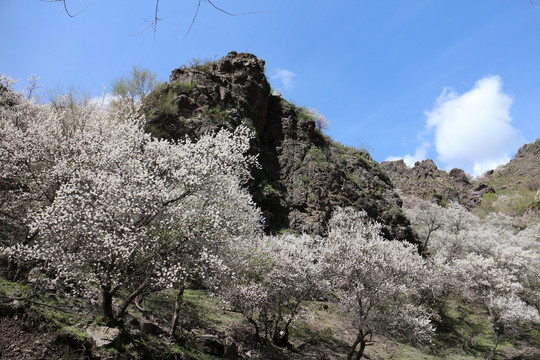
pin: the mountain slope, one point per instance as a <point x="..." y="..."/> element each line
<point x="513" y="189"/>
<point x="516" y="184"/>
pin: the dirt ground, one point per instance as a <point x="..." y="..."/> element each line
<point x="20" y="339"/>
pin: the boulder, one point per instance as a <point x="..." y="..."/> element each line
<point x="104" y="335"/>
<point x="34" y="275"/>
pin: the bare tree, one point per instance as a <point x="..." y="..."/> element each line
<point x="134" y="88"/>
<point x="156" y="19"/>
<point x="66" y="8"/>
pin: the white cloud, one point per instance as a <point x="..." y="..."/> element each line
<point x="105" y="99"/>
<point x="473" y="131"/>
<point x="420" y="154"/>
<point x="285" y="76"/>
<point x="481" y="167"/>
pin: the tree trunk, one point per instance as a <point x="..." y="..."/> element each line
<point x="426" y="241"/>
<point x="275" y="332"/>
<point x="107" y="303"/>
<point x="361" y="350"/>
<point x="266" y="324"/>
<point x="353" y="347"/>
<point x="284" y="340"/>
<point x="360" y="339"/>
<point x="257" y="336"/>
<point x="177" y="307"/>
<point x="494" y="350"/>
<point x="130" y="299"/>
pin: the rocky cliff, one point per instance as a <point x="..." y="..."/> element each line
<point x="513" y="189"/>
<point x="304" y="175"/>
<point x="426" y="181"/>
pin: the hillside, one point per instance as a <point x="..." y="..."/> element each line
<point x="304" y="175"/>
<point x="516" y="185"/>
<point x="512" y="189"/>
<point x="47" y="326"/>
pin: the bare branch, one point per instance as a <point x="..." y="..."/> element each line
<point x="66" y="8"/>
<point x="234" y="14"/>
<point x="533" y="4"/>
<point x="194" y="18"/>
<point x="153" y="23"/>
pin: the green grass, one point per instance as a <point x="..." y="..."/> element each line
<point x="316" y="154"/>
<point x="356" y="179"/>
<point x="513" y="203"/>
<point x="63" y="314"/>
<point x="270" y="188"/>
<point x="513" y="196"/>
<point x="185" y="86"/>
<point x="202" y="64"/>
<point x="217" y="115"/>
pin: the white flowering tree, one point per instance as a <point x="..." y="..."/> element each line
<point x="378" y="282"/>
<point x="112" y="207"/>
<point x="273" y="277"/>
<point x="320" y="120"/>
<point x="427" y="218"/>
<point x="203" y="229"/>
<point x="482" y="280"/>
<point x="484" y="262"/>
<point x="509" y="314"/>
<point x="26" y="181"/>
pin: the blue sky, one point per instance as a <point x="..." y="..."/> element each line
<point x="455" y="81"/>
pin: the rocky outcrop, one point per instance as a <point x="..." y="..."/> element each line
<point x="304" y="175"/>
<point x="426" y="181"/>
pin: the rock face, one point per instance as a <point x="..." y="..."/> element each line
<point x="304" y="175"/>
<point x="426" y="181"/>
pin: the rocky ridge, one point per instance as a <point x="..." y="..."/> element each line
<point x="513" y="188"/>
<point x="304" y="175"/>
<point x="426" y="181"/>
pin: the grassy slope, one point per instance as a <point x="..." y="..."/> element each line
<point x="324" y="333"/>
<point x="516" y="186"/>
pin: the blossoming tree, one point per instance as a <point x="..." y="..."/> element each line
<point x="377" y="281"/>
<point x="118" y="208"/>
<point x="484" y="262"/>
<point x="274" y="275"/>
